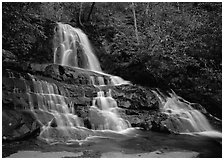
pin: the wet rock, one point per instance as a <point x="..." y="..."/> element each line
<point x="71" y="76"/>
<point x="53" y="123"/>
<point x="136" y="104"/>
<point x="77" y="95"/>
<point x="125" y="104"/>
<point x="17" y="125"/>
<point x="43" y="117"/>
<point x="59" y="134"/>
<point x="24" y="129"/>
<point x="81" y="101"/>
<point x="135" y="97"/>
<point x="8" y="56"/>
<point x="158" y="125"/>
<point x="199" y="107"/>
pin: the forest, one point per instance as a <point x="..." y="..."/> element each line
<point x="155" y="92"/>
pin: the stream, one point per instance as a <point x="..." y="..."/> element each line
<point x="131" y="144"/>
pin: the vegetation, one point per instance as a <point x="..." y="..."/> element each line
<point x="169" y="45"/>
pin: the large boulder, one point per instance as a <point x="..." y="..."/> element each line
<point x="18" y="125"/>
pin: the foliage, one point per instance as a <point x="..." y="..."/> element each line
<point x="18" y="31"/>
<point x="180" y="43"/>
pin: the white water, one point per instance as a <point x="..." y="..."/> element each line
<point x="103" y="114"/>
<point x="51" y="109"/>
<point x="67" y="53"/>
<point x="184" y="117"/>
<point x="59" y="120"/>
<point x="72" y="48"/>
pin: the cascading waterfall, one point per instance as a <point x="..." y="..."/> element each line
<point x="50" y="102"/>
<point x="103" y="114"/>
<point x="72" y="48"/>
<point x="184" y="117"/>
<point x="55" y="112"/>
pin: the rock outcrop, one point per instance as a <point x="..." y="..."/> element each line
<point x="136" y="104"/>
<point x="20" y="104"/>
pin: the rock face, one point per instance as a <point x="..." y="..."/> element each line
<point x="21" y="105"/>
<point x="136" y="104"/>
<point x="18" y="125"/>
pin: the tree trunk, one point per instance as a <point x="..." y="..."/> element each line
<point x="92" y="6"/>
<point x="80" y="14"/>
<point x="147" y="9"/>
<point x="135" y="22"/>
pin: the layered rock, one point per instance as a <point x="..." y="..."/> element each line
<point x="75" y="85"/>
<point x="136" y="104"/>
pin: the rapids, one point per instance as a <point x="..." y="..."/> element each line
<point x="183" y="116"/>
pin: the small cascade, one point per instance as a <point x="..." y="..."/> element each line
<point x="50" y="102"/>
<point x="101" y="81"/>
<point x="184" y="117"/>
<point x="115" y="80"/>
<point x="57" y="116"/>
<point x="93" y="80"/>
<point x="103" y="114"/>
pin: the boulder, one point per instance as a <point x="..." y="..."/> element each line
<point x="18" y="125"/>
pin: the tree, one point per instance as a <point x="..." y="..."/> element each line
<point x="135" y="22"/>
<point x="80" y="14"/>
<point x="92" y="6"/>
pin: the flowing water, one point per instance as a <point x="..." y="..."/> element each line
<point x="103" y="114"/>
<point x="183" y="116"/>
<point x="72" y="48"/>
<point x="58" y="118"/>
<point x="60" y="124"/>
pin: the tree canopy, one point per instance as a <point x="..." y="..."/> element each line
<point x="179" y="45"/>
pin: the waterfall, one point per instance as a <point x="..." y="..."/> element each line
<point x="49" y="103"/>
<point x="183" y="116"/>
<point x="103" y="114"/>
<point x="57" y="116"/>
<point x="72" y="48"/>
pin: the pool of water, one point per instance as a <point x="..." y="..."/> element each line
<point x="131" y="143"/>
